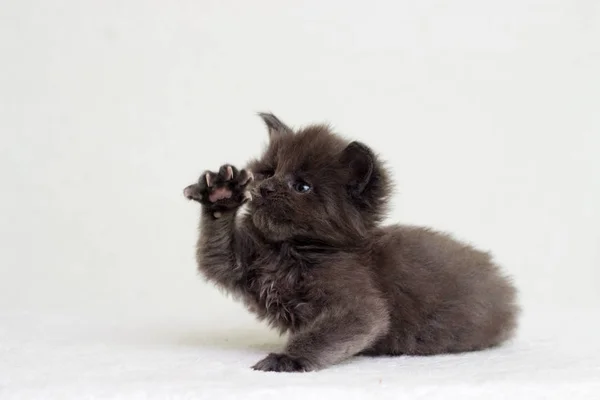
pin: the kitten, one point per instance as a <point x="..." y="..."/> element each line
<point x="310" y="256"/>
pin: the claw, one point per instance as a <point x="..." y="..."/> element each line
<point x="188" y="192"/>
<point x="250" y="177"/>
<point x="229" y="173"/>
<point x="208" y="179"/>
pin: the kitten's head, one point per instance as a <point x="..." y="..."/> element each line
<point x="312" y="183"/>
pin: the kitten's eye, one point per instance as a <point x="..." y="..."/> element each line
<point x="301" y="187"/>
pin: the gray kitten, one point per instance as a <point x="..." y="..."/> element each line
<point x="299" y="240"/>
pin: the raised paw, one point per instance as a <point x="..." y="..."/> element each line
<point x="225" y="189"/>
<point x="281" y="363"/>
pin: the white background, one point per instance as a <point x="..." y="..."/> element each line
<point x="486" y="111"/>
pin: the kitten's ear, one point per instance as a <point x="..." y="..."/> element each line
<point x="275" y="126"/>
<point x="361" y="161"/>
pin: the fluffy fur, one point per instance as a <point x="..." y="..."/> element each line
<point x="309" y="256"/>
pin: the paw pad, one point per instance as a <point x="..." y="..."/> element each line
<point x="225" y="189"/>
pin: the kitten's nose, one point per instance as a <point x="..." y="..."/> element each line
<point x="266" y="189"/>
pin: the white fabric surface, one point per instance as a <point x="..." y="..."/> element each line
<point x="555" y="356"/>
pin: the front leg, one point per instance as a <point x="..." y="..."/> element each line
<point x="222" y="244"/>
<point x="337" y="334"/>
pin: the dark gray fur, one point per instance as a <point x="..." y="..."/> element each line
<point x="321" y="267"/>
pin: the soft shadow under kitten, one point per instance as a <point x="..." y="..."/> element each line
<point x="297" y="237"/>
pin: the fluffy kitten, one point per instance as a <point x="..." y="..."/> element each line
<point x="308" y="254"/>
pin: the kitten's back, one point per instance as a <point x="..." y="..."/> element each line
<point x="444" y="295"/>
